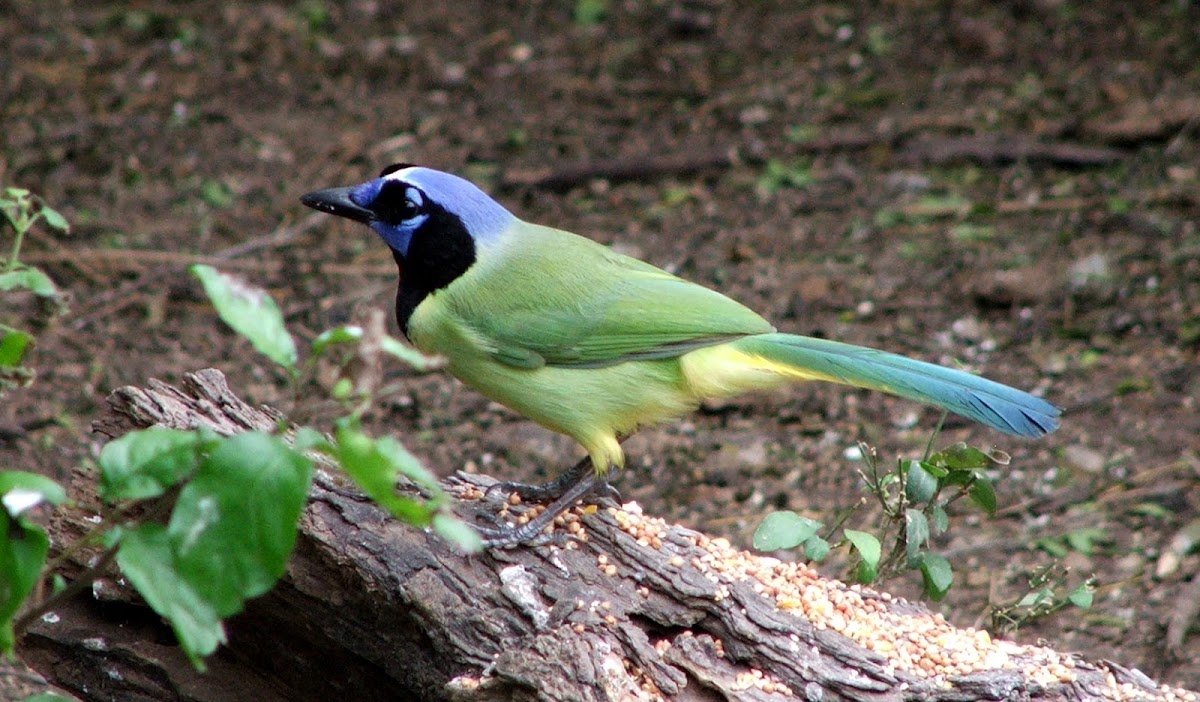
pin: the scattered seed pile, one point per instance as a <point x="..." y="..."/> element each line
<point x="919" y="642"/>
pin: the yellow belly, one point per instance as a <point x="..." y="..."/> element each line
<point x="594" y="405"/>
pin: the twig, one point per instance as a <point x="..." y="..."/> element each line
<point x="104" y="303"/>
<point x="1007" y="148"/>
<point x="620" y="169"/>
<point x="76" y="586"/>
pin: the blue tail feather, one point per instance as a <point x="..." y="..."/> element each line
<point x="998" y="406"/>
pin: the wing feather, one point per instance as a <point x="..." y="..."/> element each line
<point x="613" y="309"/>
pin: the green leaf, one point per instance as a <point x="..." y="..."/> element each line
<point x="30" y="279"/>
<point x="941" y="520"/>
<point x="23" y="550"/>
<point x="1000" y="458"/>
<point x="916" y="533"/>
<point x="348" y="334"/>
<point x="216" y="194"/>
<point x="375" y="464"/>
<point x="816" y="548"/>
<point x="1082" y="596"/>
<point x="309" y="439"/>
<point x="1152" y="510"/>
<point x="13" y="345"/>
<point x="869" y="551"/>
<point x="342" y="389"/>
<point x="234" y="525"/>
<point x="1118" y="205"/>
<point x="972" y="232"/>
<point x="1084" y="540"/>
<point x="942" y="204"/>
<point x="147" y="559"/>
<point x="784" y="530"/>
<point x="590" y="12"/>
<point x="228" y="539"/>
<point x="778" y="174"/>
<point x="251" y="312"/>
<point x="47" y="697"/>
<point x="963" y="457"/>
<point x="403" y="352"/>
<point x="1053" y="545"/>
<point x="146" y="463"/>
<point x="937" y="574"/>
<point x="1037" y="598"/>
<point x="919" y="484"/>
<point x="54" y="219"/>
<point x="933" y="467"/>
<point x="457" y="532"/>
<point x="983" y="494"/>
<point x="351" y="334"/>
<point x="801" y="133"/>
<point x="20" y="491"/>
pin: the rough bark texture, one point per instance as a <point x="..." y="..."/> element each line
<point x="372" y="609"/>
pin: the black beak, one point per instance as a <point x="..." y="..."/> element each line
<point x="337" y="201"/>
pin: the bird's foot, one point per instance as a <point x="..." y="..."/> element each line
<point x="548" y="492"/>
<point x="502" y="537"/>
<point x="533" y="532"/>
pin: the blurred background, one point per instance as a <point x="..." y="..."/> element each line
<point x="1012" y="186"/>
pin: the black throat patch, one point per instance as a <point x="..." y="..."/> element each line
<point x="441" y="250"/>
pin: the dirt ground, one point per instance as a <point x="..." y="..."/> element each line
<point x="1010" y="185"/>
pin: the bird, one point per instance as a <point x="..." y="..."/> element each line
<point x="594" y="344"/>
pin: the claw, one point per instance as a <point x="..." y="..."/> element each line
<point x="546" y="492"/>
<point x="583" y="484"/>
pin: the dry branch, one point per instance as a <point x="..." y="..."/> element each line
<point x="999" y="149"/>
<point x="372" y="609"/>
<point x="989" y="149"/>
<point x="621" y="169"/>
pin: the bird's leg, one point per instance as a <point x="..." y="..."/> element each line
<point x="555" y="488"/>
<point x="531" y="532"/>
<point x="546" y="492"/>
<point x="580" y="482"/>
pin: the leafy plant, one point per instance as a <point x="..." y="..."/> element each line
<point x="21" y="209"/>
<point x="589" y="13"/>
<point x="778" y="175"/>
<point x="787" y="530"/>
<point x="23" y="544"/>
<point x="1048" y="593"/>
<point x="1084" y="540"/>
<point x="374" y="464"/>
<point x="914" y="498"/>
<point x="199" y="523"/>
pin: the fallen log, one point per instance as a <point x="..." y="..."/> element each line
<point x="629" y="608"/>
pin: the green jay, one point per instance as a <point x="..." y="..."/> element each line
<point x="594" y="344"/>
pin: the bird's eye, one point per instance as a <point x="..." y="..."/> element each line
<point x="397" y="203"/>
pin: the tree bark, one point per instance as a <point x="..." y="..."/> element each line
<point x="371" y="609"/>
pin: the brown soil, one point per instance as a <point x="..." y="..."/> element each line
<point x="171" y="133"/>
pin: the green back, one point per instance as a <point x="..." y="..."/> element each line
<point x="568" y="301"/>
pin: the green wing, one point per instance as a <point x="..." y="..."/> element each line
<point x="569" y="301"/>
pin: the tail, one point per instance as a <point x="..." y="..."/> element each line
<point x="998" y="406"/>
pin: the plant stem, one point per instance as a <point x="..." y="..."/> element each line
<point x="21" y="223"/>
<point x="19" y="235"/>
<point x="77" y="585"/>
<point x="933" y="436"/>
<point x="159" y="507"/>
